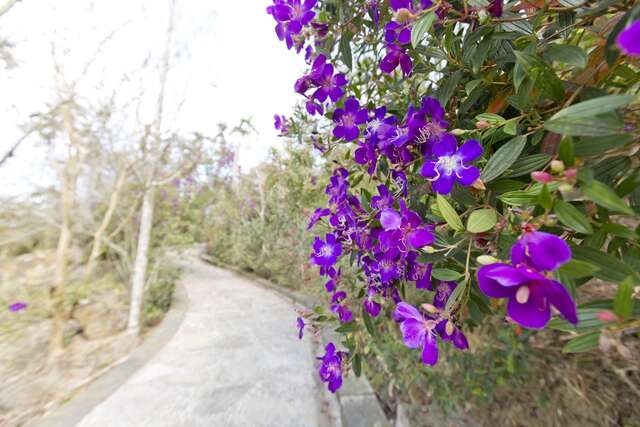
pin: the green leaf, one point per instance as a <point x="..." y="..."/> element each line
<point x="585" y="126"/>
<point x="587" y="320"/>
<point x="576" y="269"/>
<point x="594" y="107"/>
<point x="527" y="164"/>
<point x="623" y="303"/>
<point x="543" y="75"/>
<point x="610" y="268"/>
<point x="504" y="157"/>
<point x="368" y="324"/>
<point x="347" y="327"/>
<point x="494" y="119"/>
<point x="619" y="230"/>
<point x="454" y="297"/>
<point x="566" y="54"/>
<point x="357" y="365"/>
<point x="449" y="214"/>
<point x="525" y="197"/>
<point x="345" y="49"/>
<point x="544" y="198"/>
<point x="586" y="147"/>
<point x="421" y="27"/>
<point x="566" y="152"/>
<point x="570" y="216"/>
<point x="448" y="88"/>
<point x="481" y="220"/>
<point x="445" y="274"/>
<point x="605" y="197"/>
<point x="581" y="343"/>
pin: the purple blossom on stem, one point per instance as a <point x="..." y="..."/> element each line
<point x="529" y="293"/>
<point x="280" y="123"/>
<point x="418" y="331"/>
<point x="301" y="324"/>
<point x="326" y="252"/>
<point x="348" y="119"/>
<point x="370" y="305"/>
<point x="291" y="16"/>
<point x="450" y="164"/>
<point x="331" y="367"/>
<point x="629" y="39"/>
<point x="317" y="216"/>
<point x="17" y="306"/>
<point x="396" y="55"/>
<point x="344" y="314"/>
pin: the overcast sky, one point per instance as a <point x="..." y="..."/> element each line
<point x="230" y="66"/>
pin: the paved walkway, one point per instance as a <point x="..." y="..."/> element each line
<point x="234" y="361"/>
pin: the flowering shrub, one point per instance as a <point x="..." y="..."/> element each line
<point x="487" y="151"/>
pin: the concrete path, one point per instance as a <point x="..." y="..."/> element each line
<point x="235" y="361"/>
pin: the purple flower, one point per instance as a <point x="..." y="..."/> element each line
<point x="396" y="55"/>
<point x="331" y="367"/>
<point x="450" y="164"/>
<point x="374" y="12"/>
<point x="629" y="39"/>
<point x="419" y="272"/>
<point x="326" y="253"/>
<point x="418" y="331"/>
<point x="17" y="306"/>
<point x="370" y="305"/>
<point x="495" y="8"/>
<point x="300" y="322"/>
<point x="529" y="293"/>
<point x="404" y="231"/>
<point x="344" y="314"/>
<point x="427" y="123"/>
<point x="443" y="292"/>
<point x="317" y="215"/>
<point x="384" y="198"/>
<point x="294" y="13"/>
<point x="348" y="120"/>
<point x="329" y="85"/>
<point x="280" y="123"/>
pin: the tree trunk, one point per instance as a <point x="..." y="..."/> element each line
<point x="96" y="249"/>
<point x="68" y="177"/>
<point x="140" y="263"/>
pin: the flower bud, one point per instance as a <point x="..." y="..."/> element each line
<point x="430" y="308"/>
<point x="449" y="328"/>
<point x="482" y="16"/>
<point x="557" y="166"/>
<point x="486" y="260"/>
<point x="565" y="188"/>
<point x="571" y="173"/>
<point x="478" y="185"/>
<point x="482" y="124"/>
<point x="428" y="249"/>
<point x="550" y="222"/>
<point x="541" y="177"/>
<point x="607" y="316"/>
<point x="403" y="16"/>
<point x="458" y="132"/>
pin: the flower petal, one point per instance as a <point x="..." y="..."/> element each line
<point x="470" y="150"/>
<point x="413" y="332"/>
<point x="560" y="298"/>
<point x="429" y="169"/>
<point x="390" y="219"/>
<point x="542" y="251"/>
<point x="443" y="185"/>
<point x="406" y="311"/>
<point x="446" y="146"/>
<point x="419" y="238"/>
<point x="535" y="313"/>
<point x="466" y="176"/>
<point x="430" y="350"/>
<point x="496" y="280"/>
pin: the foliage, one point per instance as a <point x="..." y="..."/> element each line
<point x="545" y="179"/>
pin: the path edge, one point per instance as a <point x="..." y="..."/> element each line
<point x="74" y="411"/>
<point x="358" y="404"/>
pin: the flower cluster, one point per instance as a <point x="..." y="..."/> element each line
<point x="384" y="236"/>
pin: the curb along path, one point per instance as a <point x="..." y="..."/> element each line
<point x="234" y="361"/>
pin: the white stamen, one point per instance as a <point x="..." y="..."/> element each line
<point x="522" y="295"/>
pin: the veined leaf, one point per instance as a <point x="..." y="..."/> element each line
<point x="527" y="164"/>
<point x="623" y="303"/>
<point x="566" y="54"/>
<point x="504" y="157"/>
<point x="421" y="27"/>
<point x="445" y="274"/>
<point x="449" y="213"/>
<point x="481" y="220"/>
<point x="605" y="197"/>
<point x="570" y="216"/>
<point x="581" y="343"/>
<point x="610" y="268"/>
<point x="594" y="107"/>
<point x="576" y="269"/>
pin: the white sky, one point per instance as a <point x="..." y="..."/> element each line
<point x="230" y="66"/>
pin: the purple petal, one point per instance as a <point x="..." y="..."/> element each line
<point x="351" y="105"/>
<point x="468" y="175"/>
<point x="497" y="280"/>
<point x="629" y="39"/>
<point x="413" y="332"/>
<point x="560" y="298"/>
<point x="470" y="150"/>
<point x="446" y="146"/>
<point x="430" y="350"/>
<point x="406" y="64"/>
<point x="429" y="169"/>
<point x="420" y="238"/>
<point x="406" y="311"/>
<point x="534" y="314"/>
<point x="443" y="185"/>
<point x="390" y="219"/>
<point x="335" y="384"/>
<point x="542" y="251"/>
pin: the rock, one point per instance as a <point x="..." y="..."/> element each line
<point x="402" y="416"/>
<point x="101" y="317"/>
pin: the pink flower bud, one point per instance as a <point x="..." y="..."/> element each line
<point x="571" y="173"/>
<point x="607" y="316"/>
<point x="542" y="177"/>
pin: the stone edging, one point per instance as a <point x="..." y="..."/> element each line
<point x="359" y="406"/>
<point x="71" y="413"/>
